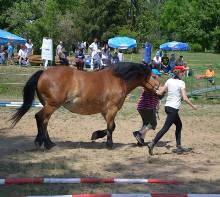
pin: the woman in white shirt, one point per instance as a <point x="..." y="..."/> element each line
<point x="175" y="88"/>
<point x="29" y="46"/>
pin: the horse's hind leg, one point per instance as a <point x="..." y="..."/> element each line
<point x="42" y="118"/>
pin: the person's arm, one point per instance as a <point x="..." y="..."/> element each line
<point x="186" y="99"/>
<point x="162" y="90"/>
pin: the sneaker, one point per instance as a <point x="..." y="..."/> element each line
<point x="138" y="137"/>
<point x="150" y="147"/>
<point x="180" y="150"/>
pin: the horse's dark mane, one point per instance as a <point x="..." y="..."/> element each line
<point x="130" y="71"/>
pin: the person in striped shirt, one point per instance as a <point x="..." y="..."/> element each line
<point x="147" y="107"/>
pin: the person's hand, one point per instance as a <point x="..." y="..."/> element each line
<point x="158" y="92"/>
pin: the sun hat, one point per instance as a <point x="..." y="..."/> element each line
<point x="181" y="68"/>
<point x="156" y="72"/>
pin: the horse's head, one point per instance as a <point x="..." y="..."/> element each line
<point x="151" y="83"/>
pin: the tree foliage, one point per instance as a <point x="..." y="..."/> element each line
<point x="155" y="21"/>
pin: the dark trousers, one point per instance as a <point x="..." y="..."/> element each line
<point x="148" y="116"/>
<point x="172" y="118"/>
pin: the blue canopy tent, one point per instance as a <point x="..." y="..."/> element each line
<point x="6" y="37"/>
<point x="174" y="46"/>
<point x="122" y="43"/>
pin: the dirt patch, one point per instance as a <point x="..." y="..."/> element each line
<point x="76" y="156"/>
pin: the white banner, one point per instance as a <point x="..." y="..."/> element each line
<point x="47" y="49"/>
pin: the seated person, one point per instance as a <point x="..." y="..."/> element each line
<point x="115" y="58"/>
<point x="22" y="56"/>
<point x="97" y="59"/>
<point x="179" y="61"/>
<point x="80" y="59"/>
<point x="209" y="75"/>
<point x="157" y="61"/>
<point x="165" y="63"/>
<point x="63" y="57"/>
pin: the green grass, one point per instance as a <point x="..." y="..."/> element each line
<point x="198" y="62"/>
<point x="194" y="60"/>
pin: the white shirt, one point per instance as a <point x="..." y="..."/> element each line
<point x="174" y="97"/>
<point x="59" y="49"/>
<point x="29" y="48"/>
<point x="121" y="57"/>
<point x="157" y="60"/>
<point x="94" y="48"/>
<point x="22" y="53"/>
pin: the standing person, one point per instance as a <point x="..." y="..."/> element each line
<point x="59" y="48"/>
<point x="172" y="61"/>
<point x="2" y="54"/>
<point x="10" y="52"/>
<point x="61" y="53"/>
<point x="175" y="87"/>
<point x="106" y="56"/>
<point x="147" y="107"/>
<point x="29" y="46"/>
<point x="94" y="49"/>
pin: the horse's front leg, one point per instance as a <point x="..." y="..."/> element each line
<point x="99" y="134"/>
<point x="110" y="117"/>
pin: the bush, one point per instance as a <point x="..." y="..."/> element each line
<point x="196" y="47"/>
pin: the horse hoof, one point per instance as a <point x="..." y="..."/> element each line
<point x="109" y="145"/>
<point x="94" y="136"/>
<point x="37" y="144"/>
<point x="50" y="145"/>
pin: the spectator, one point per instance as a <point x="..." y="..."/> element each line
<point x="175" y="88"/>
<point x="157" y="61"/>
<point x="2" y="55"/>
<point x="120" y="56"/>
<point x="165" y="63"/>
<point x="29" y="45"/>
<point x="209" y="75"/>
<point x="179" y="61"/>
<point x="97" y="60"/>
<point x="106" y="55"/>
<point x="80" y="58"/>
<point x="172" y="61"/>
<point x="22" y="56"/>
<point x="147" y="106"/>
<point x="61" y="53"/>
<point x="94" y="49"/>
<point x="10" y="52"/>
<point x="115" y="58"/>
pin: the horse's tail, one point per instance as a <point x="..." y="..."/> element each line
<point x="28" y="97"/>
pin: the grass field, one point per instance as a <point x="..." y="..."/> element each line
<point x="198" y="62"/>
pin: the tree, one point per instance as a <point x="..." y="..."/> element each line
<point x="103" y="19"/>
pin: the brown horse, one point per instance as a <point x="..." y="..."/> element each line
<point x="83" y="93"/>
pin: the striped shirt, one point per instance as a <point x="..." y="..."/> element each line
<point x="148" y="100"/>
